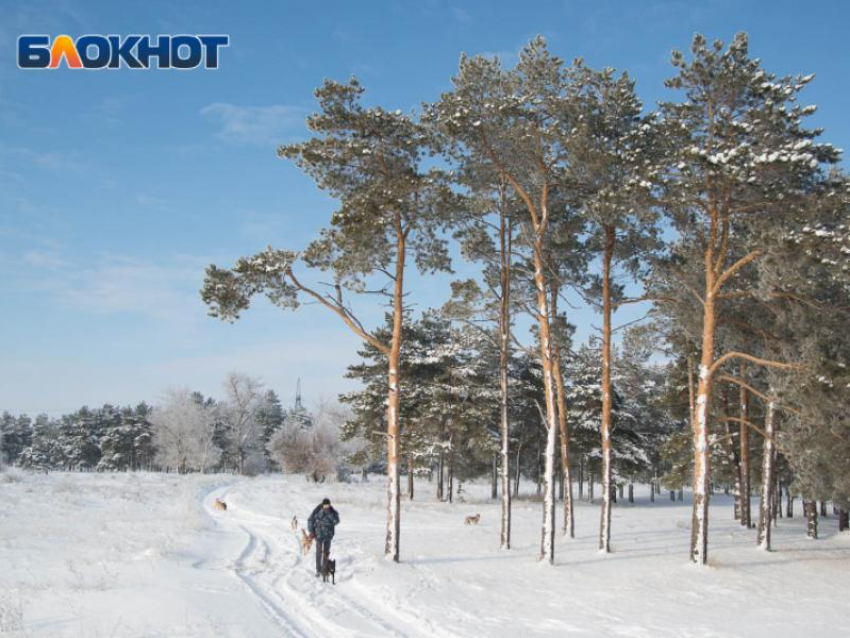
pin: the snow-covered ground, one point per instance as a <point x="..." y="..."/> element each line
<point x="147" y="555"/>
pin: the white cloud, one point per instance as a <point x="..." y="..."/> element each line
<point x="255" y="124"/>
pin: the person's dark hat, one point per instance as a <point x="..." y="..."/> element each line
<point x="326" y="501"/>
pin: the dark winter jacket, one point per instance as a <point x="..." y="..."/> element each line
<point x="322" y="522"/>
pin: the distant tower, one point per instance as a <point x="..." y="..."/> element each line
<point x="298" y="406"/>
<point x="298" y="414"/>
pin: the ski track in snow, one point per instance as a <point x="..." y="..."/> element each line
<point x="273" y="570"/>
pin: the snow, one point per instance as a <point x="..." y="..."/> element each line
<point x="146" y="555"/>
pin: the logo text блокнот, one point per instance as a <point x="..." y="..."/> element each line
<point x="115" y="51"/>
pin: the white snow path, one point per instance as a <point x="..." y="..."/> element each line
<point x="274" y="570"/>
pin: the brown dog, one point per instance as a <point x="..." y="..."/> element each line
<point x="221" y="506"/>
<point x="306" y="542"/>
<point x="472" y="520"/>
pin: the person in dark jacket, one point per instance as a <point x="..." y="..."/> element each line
<point x="321" y="526"/>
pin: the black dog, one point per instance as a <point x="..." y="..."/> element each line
<point x="329" y="570"/>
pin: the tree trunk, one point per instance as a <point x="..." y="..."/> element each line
<point x="547" y="545"/>
<point x="538" y="471"/>
<point x="733" y="456"/>
<point x="505" y="240"/>
<point x="631" y="492"/>
<point x="494" y="477"/>
<point x="451" y="471"/>
<point x="561" y="488"/>
<point x="581" y="478"/>
<point x="702" y="468"/>
<point x="652" y="490"/>
<point x="440" y="474"/>
<point x="566" y="479"/>
<point x="843" y="520"/>
<point x="605" y="515"/>
<point x="590" y="485"/>
<point x="767" y="479"/>
<point x="789" y="500"/>
<point x="518" y="473"/>
<point x="744" y="434"/>
<point x="810" y="511"/>
<point x="410" y="478"/>
<point x="672" y="495"/>
<point x="823" y="509"/>
<point x="391" y="548"/>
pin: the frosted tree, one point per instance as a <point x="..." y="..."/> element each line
<point x="183" y="433"/>
<point x="244" y="400"/>
<point x="391" y="208"/>
<point x="44" y="452"/>
<point x="15" y="437"/>
<point x="79" y="438"/>
<point x="737" y="157"/>
<point x="318" y="452"/>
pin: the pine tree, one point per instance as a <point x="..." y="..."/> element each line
<point x="15" y="437"/>
<point x="514" y="123"/>
<point x="391" y="208"/>
<point x="737" y="157"/>
<point x="269" y="418"/>
<point x="44" y="452"/>
<point x="490" y="242"/>
<point x="612" y="152"/>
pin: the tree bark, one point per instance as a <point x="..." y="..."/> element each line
<point x="505" y="241"/>
<point x="581" y="478"/>
<point x="810" y="511"/>
<point x="789" y="502"/>
<point x="566" y="478"/>
<point x="451" y="469"/>
<point x="391" y="549"/>
<point x="410" y="478"/>
<point x="702" y="469"/>
<point x="605" y="515"/>
<point x="494" y="477"/>
<point x="518" y="473"/>
<point x="441" y="465"/>
<point x="843" y="520"/>
<point x="744" y="434"/>
<point x="767" y="479"/>
<point x="733" y="457"/>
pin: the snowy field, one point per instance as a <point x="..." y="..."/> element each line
<point x="147" y="555"/>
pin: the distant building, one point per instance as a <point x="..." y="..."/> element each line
<point x="298" y="413"/>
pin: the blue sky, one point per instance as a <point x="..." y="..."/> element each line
<point x="118" y="188"/>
